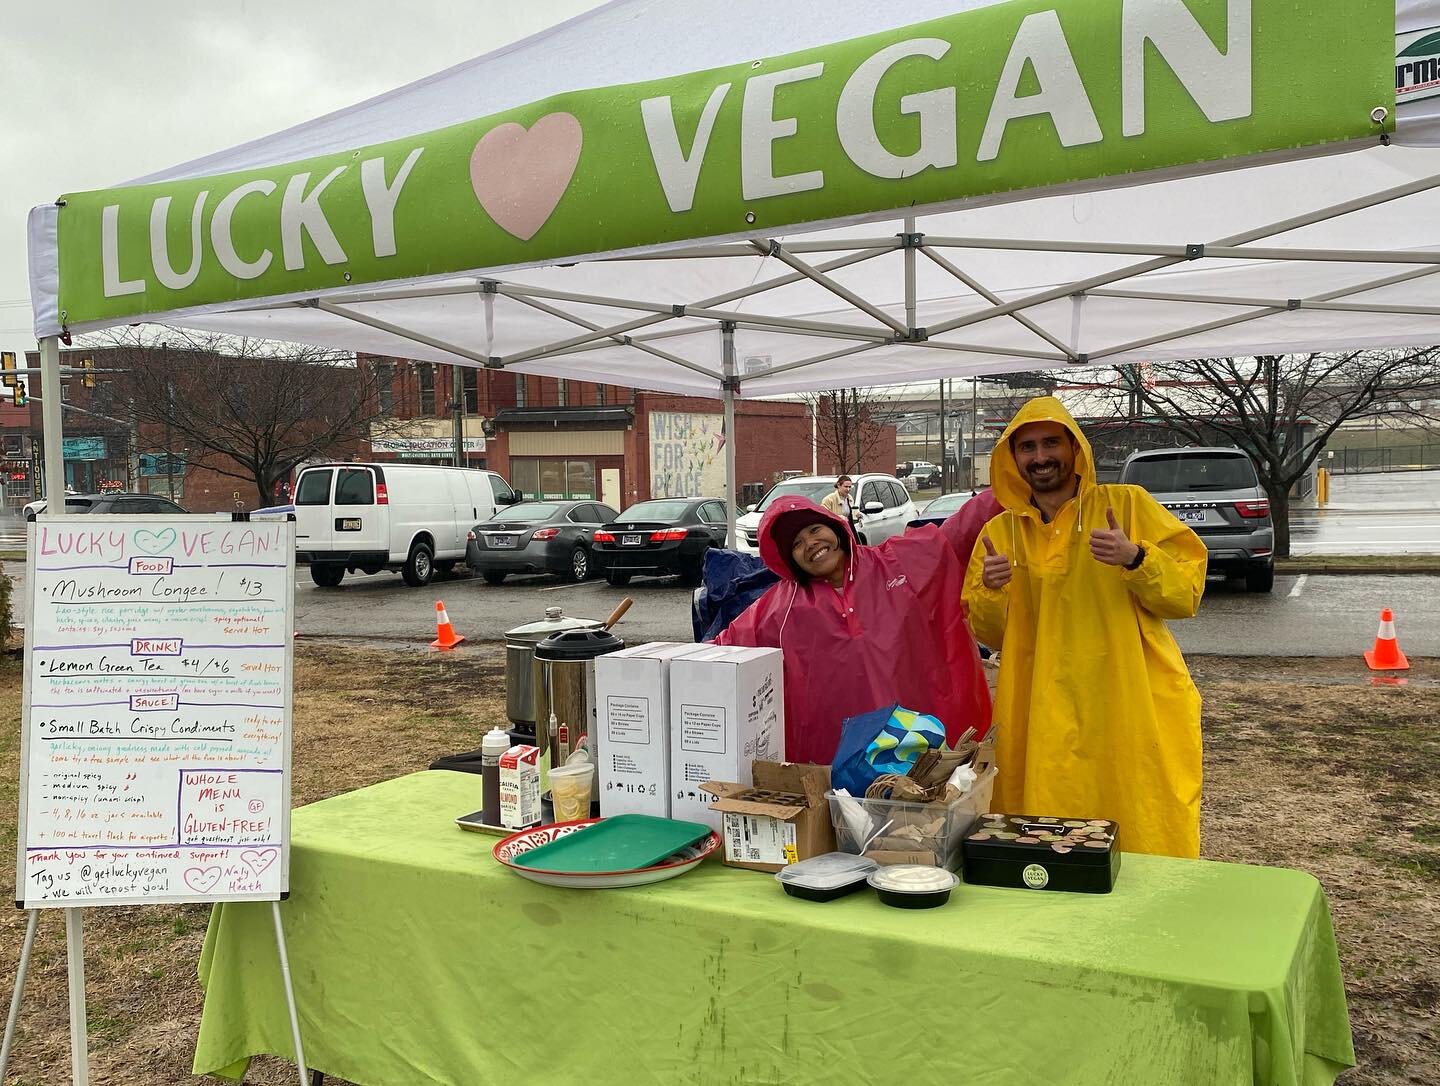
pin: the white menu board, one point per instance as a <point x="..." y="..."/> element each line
<point x="155" y="733"/>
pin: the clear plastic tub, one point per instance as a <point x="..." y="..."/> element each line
<point x="826" y="877"/>
<point x="895" y="832"/>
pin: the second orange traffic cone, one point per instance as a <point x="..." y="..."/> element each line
<point x="445" y="635"/>
<point x="1386" y="655"/>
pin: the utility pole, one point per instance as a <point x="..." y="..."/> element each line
<point x="944" y="469"/>
<point x="169" y="413"/>
<point x="974" y="425"/>
<point x="457" y="405"/>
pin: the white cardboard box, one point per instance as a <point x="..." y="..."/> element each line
<point x="632" y="705"/>
<point x="727" y="708"/>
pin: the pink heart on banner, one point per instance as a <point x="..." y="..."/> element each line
<point x="202" y="879"/>
<point x="259" y="858"/>
<point x="519" y="176"/>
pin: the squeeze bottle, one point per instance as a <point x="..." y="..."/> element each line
<point x="495" y="743"/>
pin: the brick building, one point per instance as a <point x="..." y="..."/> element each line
<point x="564" y="438"/>
<point x="549" y="437"/>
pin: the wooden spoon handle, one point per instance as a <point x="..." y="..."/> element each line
<point x="618" y="613"/>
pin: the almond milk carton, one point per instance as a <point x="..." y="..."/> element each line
<point x="520" y="787"/>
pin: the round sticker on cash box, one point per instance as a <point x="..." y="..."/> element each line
<point x="1035" y="876"/>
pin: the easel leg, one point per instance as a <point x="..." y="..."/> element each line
<point x="30" y="926"/>
<point x="79" y="1035"/>
<point x="289" y="992"/>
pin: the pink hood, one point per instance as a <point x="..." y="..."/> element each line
<point x="775" y="553"/>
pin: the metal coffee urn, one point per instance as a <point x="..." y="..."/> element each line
<point x="565" y="686"/>
<point x="520" y="660"/>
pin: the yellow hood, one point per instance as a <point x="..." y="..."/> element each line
<point x="1010" y="486"/>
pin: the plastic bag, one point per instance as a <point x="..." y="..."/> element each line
<point x="882" y="741"/>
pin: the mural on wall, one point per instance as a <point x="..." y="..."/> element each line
<point x="687" y="454"/>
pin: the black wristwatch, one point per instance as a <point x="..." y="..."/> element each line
<point x="1139" y="557"/>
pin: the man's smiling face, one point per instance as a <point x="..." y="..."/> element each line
<point x="1045" y="455"/>
<point x="816" y="552"/>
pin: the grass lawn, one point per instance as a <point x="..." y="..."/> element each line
<point x="1307" y="765"/>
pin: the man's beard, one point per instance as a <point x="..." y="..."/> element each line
<point x="1057" y="481"/>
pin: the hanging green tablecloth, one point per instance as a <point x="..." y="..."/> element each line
<point x="418" y="959"/>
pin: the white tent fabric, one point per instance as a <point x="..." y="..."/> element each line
<point x="1317" y="252"/>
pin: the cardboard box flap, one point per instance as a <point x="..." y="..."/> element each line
<point x="744" y="799"/>
<point x="788" y="776"/>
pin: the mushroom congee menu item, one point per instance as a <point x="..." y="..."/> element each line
<point x="155" y="731"/>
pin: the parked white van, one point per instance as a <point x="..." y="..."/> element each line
<point x="407" y="517"/>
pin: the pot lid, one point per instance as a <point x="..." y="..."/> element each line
<point x="578" y="645"/>
<point x="555" y="619"/>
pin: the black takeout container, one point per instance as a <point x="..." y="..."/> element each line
<point x="1031" y="852"/>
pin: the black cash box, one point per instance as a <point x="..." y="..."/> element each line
<point x="1030" y="852"/>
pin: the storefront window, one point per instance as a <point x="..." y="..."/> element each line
<point x="525" y="477"/>
<point x="580" y="478"/>
<point x="554" y="480"/>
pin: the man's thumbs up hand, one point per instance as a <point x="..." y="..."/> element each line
<point x="1112" y="546"/>
<point x="996" y="571"/>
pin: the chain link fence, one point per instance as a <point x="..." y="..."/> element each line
<point x="1388" y="458"/>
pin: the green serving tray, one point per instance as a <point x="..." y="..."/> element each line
<point x="625" y="842"/>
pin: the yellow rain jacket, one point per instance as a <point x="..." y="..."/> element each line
<point x="1096" y="712"/>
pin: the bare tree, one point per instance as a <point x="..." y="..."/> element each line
<point x="850" y="424"/>
<point x="246" y="408"/>
<point x="1281" y="409"/>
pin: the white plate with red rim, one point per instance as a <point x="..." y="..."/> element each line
<point x="517" y="844"/>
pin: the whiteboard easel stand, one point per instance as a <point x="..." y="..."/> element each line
<point x="30" y="926"/>
<point x="79" y="1032"/>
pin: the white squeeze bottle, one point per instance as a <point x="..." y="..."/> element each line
<point x="495" y="743"/>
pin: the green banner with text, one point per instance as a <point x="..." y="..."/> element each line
<point x="1014" y="96"/>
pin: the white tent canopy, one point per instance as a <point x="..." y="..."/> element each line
<point x="1310" y="247"/>
<point x="1297" y="255"/>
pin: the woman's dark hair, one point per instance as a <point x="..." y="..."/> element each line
<point x="843" y="479"/>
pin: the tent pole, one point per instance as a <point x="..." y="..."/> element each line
<point x="50" y="426"/>
<point x="727" y="364"/>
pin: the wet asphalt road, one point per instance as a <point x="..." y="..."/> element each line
<point x="1314" y="615"/>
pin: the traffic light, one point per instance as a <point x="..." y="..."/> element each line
<point x="7" y="366"/>
<point x="87" y="375"/>
<point x="20" y="398"/>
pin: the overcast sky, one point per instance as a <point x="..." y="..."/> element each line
<point x="96" y="92"/>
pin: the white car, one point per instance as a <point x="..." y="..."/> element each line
<point x="883" y="507"/>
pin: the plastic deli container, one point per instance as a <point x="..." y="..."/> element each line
<point x="826" y="877"/>
<point x="895" y="832"/>
<point x="913" y="886"/>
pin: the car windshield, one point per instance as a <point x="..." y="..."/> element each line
<point x="527" y="512"/>
<point x="656" y="510"/>
<point x="812" y="490"/>
<point x="1187" y="471"/>
<point x="946" y="503"/>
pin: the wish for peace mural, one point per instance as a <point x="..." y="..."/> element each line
<point x="687" y="454"/>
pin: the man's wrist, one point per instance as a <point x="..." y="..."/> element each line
<point x="1134" y="563"/>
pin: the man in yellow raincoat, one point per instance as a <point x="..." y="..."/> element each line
<point x="1073" y="581"/>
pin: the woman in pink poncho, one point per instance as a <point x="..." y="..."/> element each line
<point x="866" y="627"/>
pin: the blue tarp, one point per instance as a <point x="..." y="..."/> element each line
<point x="732" y="582"/>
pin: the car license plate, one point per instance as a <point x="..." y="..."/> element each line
<point x="499" y="541"/>
<point x="630" y="540"/>
<point x="1191" y="516"/>
<point x="350" y="524"/>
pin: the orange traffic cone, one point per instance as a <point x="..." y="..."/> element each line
<point x="445" y="635"/>
<point x="1386" y="655"/>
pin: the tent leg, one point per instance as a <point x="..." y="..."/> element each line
<point x="727" y="361"/>
<point x="50" y="424"/>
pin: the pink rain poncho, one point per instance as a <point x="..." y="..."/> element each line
<point x="896" y="633"/>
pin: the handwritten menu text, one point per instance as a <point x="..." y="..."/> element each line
<point x="156" y="733"/>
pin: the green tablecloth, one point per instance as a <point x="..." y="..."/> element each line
<point x="417" y="958"/>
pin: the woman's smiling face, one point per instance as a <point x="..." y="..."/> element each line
<point x="816" y="552"/>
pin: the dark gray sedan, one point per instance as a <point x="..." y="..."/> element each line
<point x="537" y="537"/>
